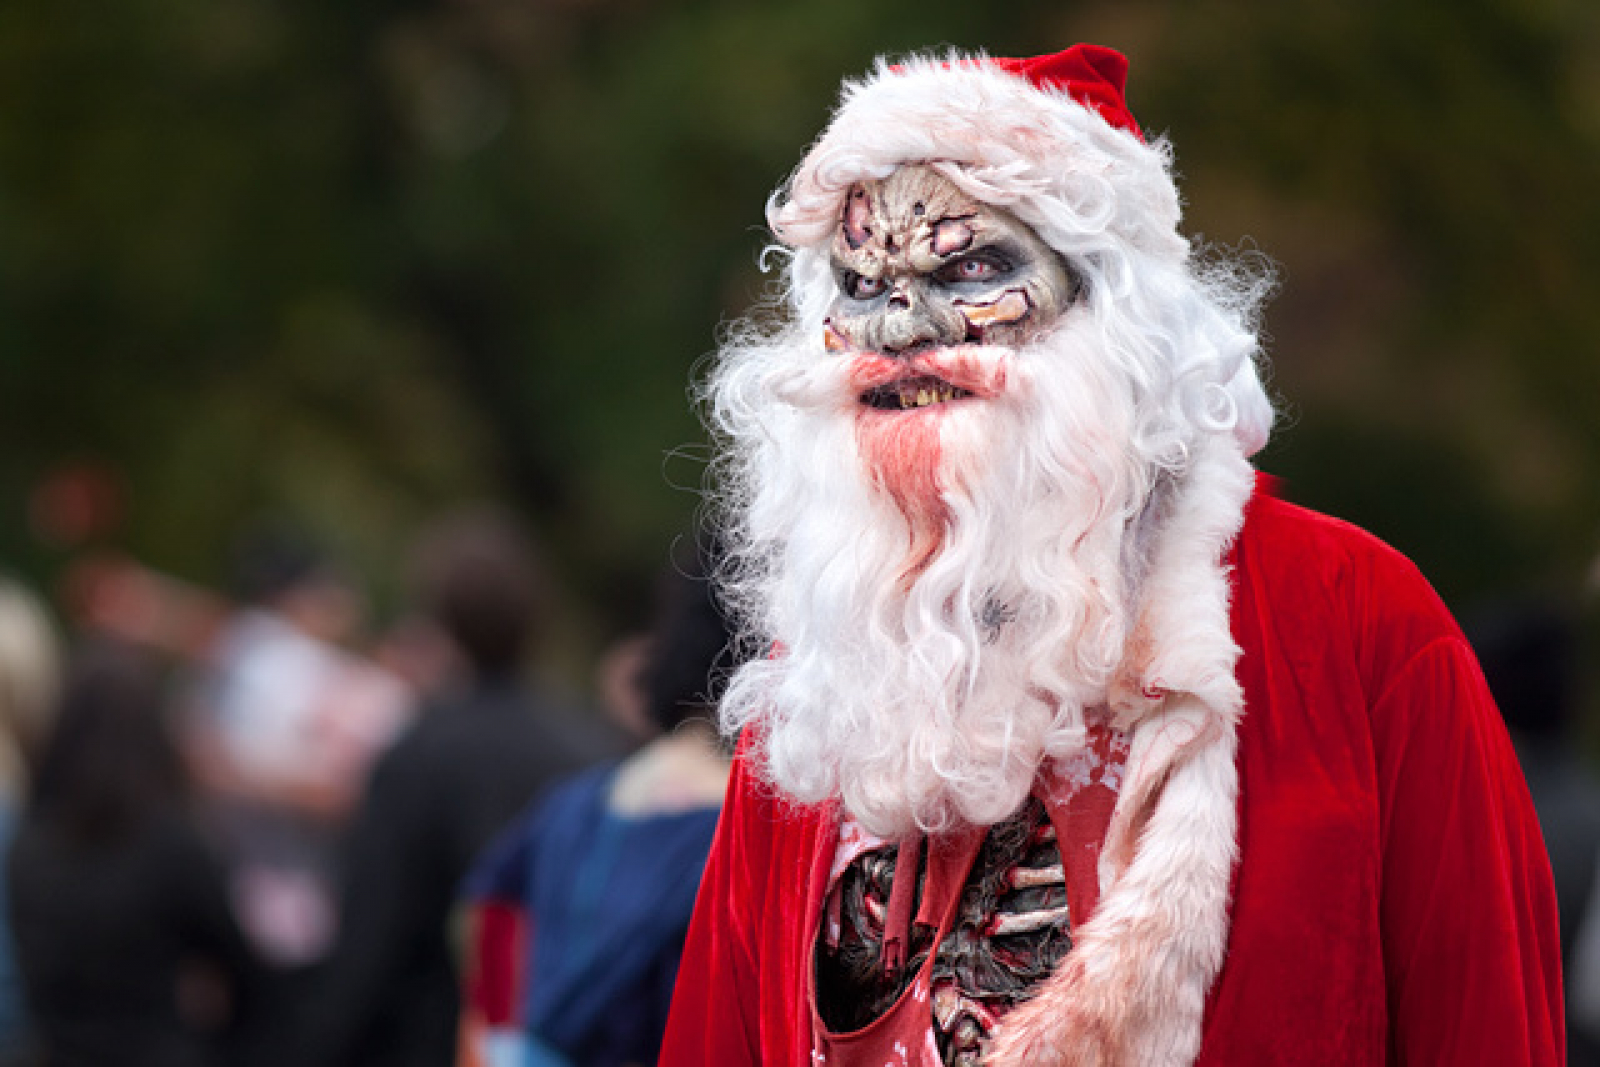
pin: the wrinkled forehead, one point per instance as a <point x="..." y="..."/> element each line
<point x="917" y="214"/>
<point x="913" y="206"/>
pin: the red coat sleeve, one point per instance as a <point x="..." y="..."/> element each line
<point x="495" y="979"/>
<point x="716" y="1002"/>
<point x="1471" y="946"/>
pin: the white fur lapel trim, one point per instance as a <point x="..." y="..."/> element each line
<point x="1132" y="990"/>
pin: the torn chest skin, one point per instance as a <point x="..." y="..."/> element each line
<point x="924" y="268"/>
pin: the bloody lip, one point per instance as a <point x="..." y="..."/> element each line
<point x="927" y="379"/>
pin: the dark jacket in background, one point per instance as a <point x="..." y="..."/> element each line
<point x="103" y="934"/>
<point x="389" y="996"/>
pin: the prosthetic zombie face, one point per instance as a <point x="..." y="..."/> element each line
<point x="921" y="264"/>
<point x="943" y="465"/>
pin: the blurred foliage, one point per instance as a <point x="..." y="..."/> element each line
<point x="357" y="262"/>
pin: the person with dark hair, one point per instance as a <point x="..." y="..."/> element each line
<point x="604" y="871"/>
<point x="481" y="749"/>
<point x="483" y="586"/>
<point x="128" y="947"/>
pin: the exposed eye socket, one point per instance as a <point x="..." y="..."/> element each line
<point x="859" y="287"/>
<point x="977" y="267"/>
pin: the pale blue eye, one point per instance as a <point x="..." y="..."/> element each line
<point x="972" y="270"/>
<point x="859" y="287"/>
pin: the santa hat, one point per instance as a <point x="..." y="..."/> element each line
<point x="1018" y="129"/>
<point x="1090" y="74"/>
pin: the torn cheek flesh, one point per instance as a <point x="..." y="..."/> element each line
<point x="1011" y="306"/>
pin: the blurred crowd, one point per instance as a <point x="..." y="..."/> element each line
<point x="243" y="826"/>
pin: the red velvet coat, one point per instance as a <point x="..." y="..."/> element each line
<point x="1392" y="902"/>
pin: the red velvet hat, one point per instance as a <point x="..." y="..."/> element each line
<point x="1089" y="73"/>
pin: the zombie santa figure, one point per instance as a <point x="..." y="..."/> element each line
<point x="1075" y="745"/>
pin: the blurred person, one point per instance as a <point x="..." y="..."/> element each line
<point x="1583" y="1022"/>
<point x="579" y="910"/>
<point x="124" y="931"/>
<point x="29" y="677"/>
<point x="1076" y="745"/>
<point x="483" y="747"/>
<point x="622" y="698"/>
<point x="111" y="595"/>
<point x="30" y="669"/>
<point x="286" y="721"/>
<point x="1529" y="648"/>
<point x="296" y="714"/>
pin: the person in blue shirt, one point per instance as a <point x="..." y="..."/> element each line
<point x="580" y="910"/>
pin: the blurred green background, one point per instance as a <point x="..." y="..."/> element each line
<point x="356" y="262"/>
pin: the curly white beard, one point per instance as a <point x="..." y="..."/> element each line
<point x="947" y="593"/>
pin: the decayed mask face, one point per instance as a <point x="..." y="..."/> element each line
<point x="922" y="265"/>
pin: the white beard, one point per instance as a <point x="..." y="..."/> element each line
<point x="937" y="638"/>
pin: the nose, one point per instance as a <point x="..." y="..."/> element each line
<point x="912" y="321"/>
<point x="906" y="328"/>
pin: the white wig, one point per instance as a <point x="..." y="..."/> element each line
<point x="1167" y="343"/>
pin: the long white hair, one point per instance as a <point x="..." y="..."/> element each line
<point x="929" y="695"/>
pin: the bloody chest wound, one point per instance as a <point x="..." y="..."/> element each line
<point x="981" y="919"/>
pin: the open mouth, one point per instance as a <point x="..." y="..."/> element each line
<point x="922" y="391"/>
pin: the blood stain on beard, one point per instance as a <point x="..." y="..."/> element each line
<point x="902" y="457"/>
